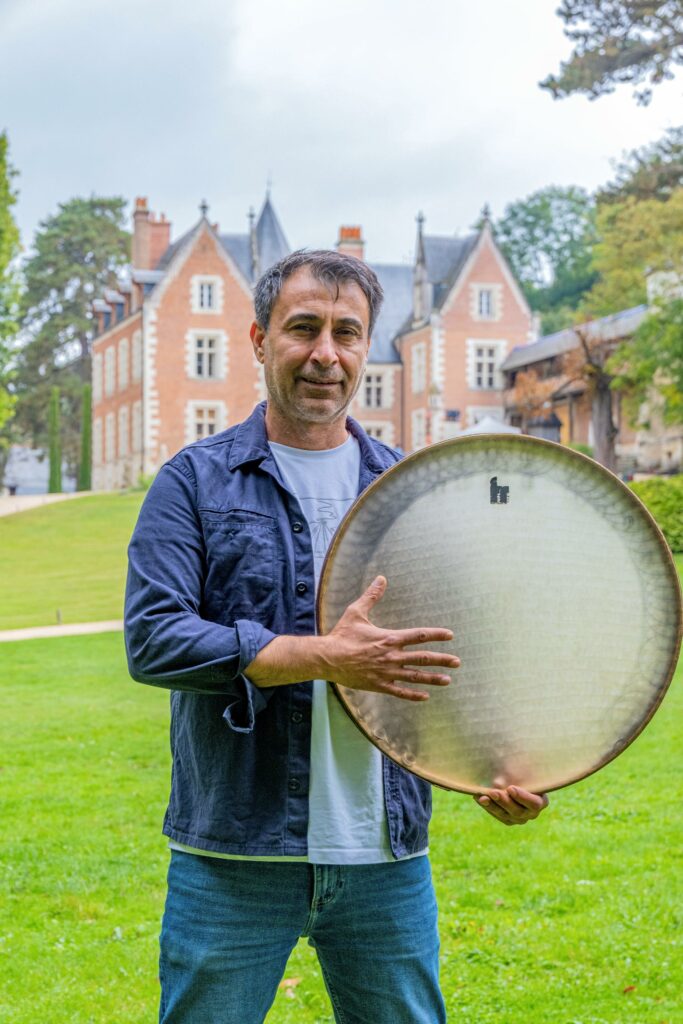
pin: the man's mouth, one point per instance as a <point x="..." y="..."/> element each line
<point x="319" y="383"/>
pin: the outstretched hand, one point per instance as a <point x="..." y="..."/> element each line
<point x="365" y="657"/>
<point x="513" y="805"/>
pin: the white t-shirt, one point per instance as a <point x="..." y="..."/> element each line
<point x="347" y="817"/>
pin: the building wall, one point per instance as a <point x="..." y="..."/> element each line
<point x="117" y="391"/>
<point x="465" y="331"/>
<point x="177" y="397"/>
<point x="377" y="405"/>
<point x="416" y="354"/>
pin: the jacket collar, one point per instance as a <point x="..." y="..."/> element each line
<point x="251" y="442"/>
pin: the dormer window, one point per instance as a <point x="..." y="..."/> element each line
<point x="206" y="294"/>
<point x="485" y="303"/>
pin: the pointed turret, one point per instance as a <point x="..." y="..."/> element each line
<point x="270" y="238"/>
<point x="422" y="288"/>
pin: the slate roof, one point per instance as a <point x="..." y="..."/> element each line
<point x="270" y="238"/>
<point x="607" y="328"/>
<point x="397" y="283"/>
<point x="445" y="257"/>
<point x="239" y="248"/>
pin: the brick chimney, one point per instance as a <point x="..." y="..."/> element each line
<point x="351" y="241"/>
<point x="160" y="238"/>
<point x="151" y="236"/>
<point x="141" y="234"/>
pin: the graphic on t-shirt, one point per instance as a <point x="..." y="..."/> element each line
<point x="324" y="516"/>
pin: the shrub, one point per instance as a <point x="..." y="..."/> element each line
<point x="664" y="498"/>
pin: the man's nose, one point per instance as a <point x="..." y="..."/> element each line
<point x="325" y="351"/>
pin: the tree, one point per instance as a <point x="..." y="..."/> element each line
<point x="85" y="464"/>
<point x="652" y="361"/>
<point x="547" y="239"/>
<point x="635" y="239"/>
<point x="9" y="287"/>
<point x="531" y="394"/>
<point x="618" y="41"/>
<point x="651" y="172"/>
<point x="55" y="443"/>
<point x="77" y="253"/>
<point x="589" y="362"/>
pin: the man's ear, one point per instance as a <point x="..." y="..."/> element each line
<point x="257" y="335"/>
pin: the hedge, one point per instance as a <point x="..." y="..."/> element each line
<point x="664" y="498"/>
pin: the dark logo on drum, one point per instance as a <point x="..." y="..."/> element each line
<point x="499" y="495"/>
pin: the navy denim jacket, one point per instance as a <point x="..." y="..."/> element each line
<point x="220" y="563"/>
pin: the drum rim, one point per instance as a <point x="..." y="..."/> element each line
<point x="541" y="443"/>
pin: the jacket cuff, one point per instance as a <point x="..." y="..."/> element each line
<point x="240" y="713"/>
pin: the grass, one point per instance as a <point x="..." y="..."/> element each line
<point x="574" y="919"/>
<point x="68" y="557"/>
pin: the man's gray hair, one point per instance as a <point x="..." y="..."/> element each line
<point x="327" y="265"/>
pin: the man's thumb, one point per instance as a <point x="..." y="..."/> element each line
<point x="373" y="594"/>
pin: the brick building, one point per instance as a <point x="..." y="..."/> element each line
<point x="172" y="361"/>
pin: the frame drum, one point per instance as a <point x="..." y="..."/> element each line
<point x="559" y="588"/>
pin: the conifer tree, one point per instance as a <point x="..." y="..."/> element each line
<point x="55" y="444"/>
<point x="84" y="468"/>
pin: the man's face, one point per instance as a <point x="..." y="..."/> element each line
<point x="314" y="349"/>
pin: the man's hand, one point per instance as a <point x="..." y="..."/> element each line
<point x="357" y="654"/>
<point x="512" y="806"/>
<point x="365" y="657"/>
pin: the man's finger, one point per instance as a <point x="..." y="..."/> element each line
<point x="413" y="675"/>
<point x="372" y="595"/>
<point x="532" y="801"/>
<point x="439" y="659"/>
<point x="406" y="637"/>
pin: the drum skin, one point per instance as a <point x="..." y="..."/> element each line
<point x="558" y="586"/>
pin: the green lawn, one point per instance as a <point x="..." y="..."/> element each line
<point x="69" y="557"/>
<point x="574" y="919"/>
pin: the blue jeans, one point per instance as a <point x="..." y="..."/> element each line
<point x="229" y="927"/>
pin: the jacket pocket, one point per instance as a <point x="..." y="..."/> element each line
<point x="242" y="572"/>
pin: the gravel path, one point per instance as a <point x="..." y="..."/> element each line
<point x="24" y="502"/>
<point x="68" y="629"/>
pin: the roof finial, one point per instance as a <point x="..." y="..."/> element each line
<point x="269" y="184"/>
<point x="420" y="222"/>
<point x="486" y="214"/>
<point x="204" y="208"/>
<point x="251" y="217"/>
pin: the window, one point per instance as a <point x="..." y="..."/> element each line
<point x="137" y="355"/>
<point x="419" y="367"/>
<point x="377" y="432"/>
<point x="123" y="431"/>
<point x="485" y="366"/>
<point x="109" y="437"/>
<point x="123" y="364"/>
<point x="206" y="295"/>
<point x="373" y="390"/>
<point x="97" y="378"/>
<point x="419" y="428"/>
<point x="97" y="441"/>
<point x="136" y="431"/>
<point x="485" y="306"/>
<point x="205" y="421"/>
<point x="205" y="356"/>
<point x="109" y="370"/>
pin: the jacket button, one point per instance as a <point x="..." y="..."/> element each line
<point x="297" y="717"/>
<point x="294" y="785"/>
<point x="297" y="527"/>
<point x="301" y="587"/>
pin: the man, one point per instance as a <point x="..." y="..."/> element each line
<point x="284" y="821"/>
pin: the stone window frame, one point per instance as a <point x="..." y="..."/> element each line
<point x="198" y="283"/>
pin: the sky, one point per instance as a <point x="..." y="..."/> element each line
<point x="357" y="112"/>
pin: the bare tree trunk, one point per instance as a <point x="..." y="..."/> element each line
<point x="604" y="430"/>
